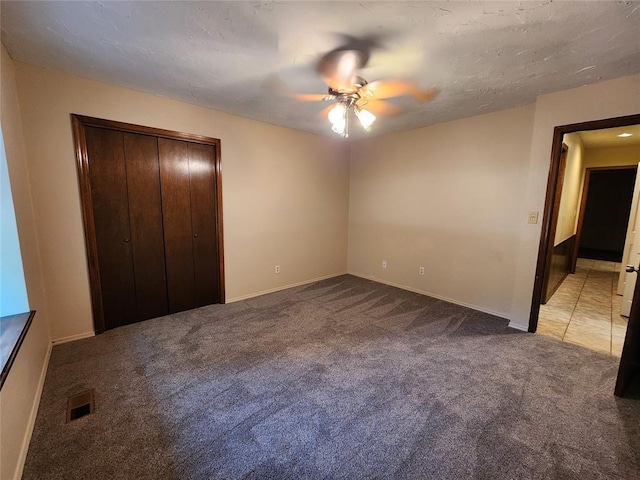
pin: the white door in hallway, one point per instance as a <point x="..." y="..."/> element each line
<point x="631" y="255"/>
<point x="628" y="242"/>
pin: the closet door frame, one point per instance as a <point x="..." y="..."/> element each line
<point x="79" y="123"/>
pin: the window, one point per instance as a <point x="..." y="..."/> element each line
<point x="15" y="316"/>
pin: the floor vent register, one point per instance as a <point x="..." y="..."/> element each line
<point x="80" y="405"/>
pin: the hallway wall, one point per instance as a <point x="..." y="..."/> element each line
<point x="571" y="188"/>
<point x="612" y="156"/>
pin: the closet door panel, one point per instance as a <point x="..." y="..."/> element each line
<point x="203" y="218"/>
<point x="108" y="180"/>
<point x="145" y="213"/>
<point x="176" y="210"/>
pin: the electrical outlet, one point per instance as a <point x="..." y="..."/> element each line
<point x="533" y="217"/>
<point x="384" y="264"/>
<point x="421" y="271"/>
<point x="277" y="268"/>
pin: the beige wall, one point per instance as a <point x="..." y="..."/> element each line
<point x="612" y="156"/>
<point x="608" y="99"/>
<point x="285" y="193"/>
<point x="571" y="188"/>
<point x="445" y="197"/>
<point x="20" y="394"/>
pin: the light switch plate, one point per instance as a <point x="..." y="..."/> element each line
<point x="533" y="217"/>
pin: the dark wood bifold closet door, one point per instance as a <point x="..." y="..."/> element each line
<point x="145" y="214"/>
<point x="203" y="221"/>
<point x="176" y="210"/>
<point x="111" y="215"/>
<point x="125" y="188"/>
<point x="187" y="172"/>
<point x="152" y="209"/>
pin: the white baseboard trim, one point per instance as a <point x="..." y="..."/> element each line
<point x="277" y="289"/>
<point x="517" y="326"/>
<point x="434" y="295"/>
<point x="72" y="338"/>
<point x="33" y="415"/>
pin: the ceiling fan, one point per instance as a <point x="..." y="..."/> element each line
<point x="349" y="91"/>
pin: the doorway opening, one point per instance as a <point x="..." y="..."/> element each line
<point x="586" y="306"/>
<point x="587" y="234"/>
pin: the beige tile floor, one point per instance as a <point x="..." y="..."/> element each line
<point x="585" y="309"/>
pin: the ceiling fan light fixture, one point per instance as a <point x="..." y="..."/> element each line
<point x="340" y="129"/>
<point x="366" y="118"/>
<point x="337" y="113"/>
<point x="338" y="118"/>
<point x="348" y="91"/>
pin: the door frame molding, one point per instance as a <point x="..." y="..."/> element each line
<point x="79" y="123"/>
<point x="550" y="220"/>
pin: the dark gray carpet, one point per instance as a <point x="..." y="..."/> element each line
<point x="343" y="378"/>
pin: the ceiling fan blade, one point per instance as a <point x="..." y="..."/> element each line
<point x="426" y="95"/>
<point x="339" y="68"/>
<point x="381" y="90"/>
<point x="380" y="108"/>
<point x="310" y="97"/>
<point x="362" y="44"/>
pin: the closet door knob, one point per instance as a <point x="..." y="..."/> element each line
<point x="195" y="234"/>
<point x="126" y="240"/>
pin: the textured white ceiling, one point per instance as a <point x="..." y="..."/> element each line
<point x="243" y="57"/>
